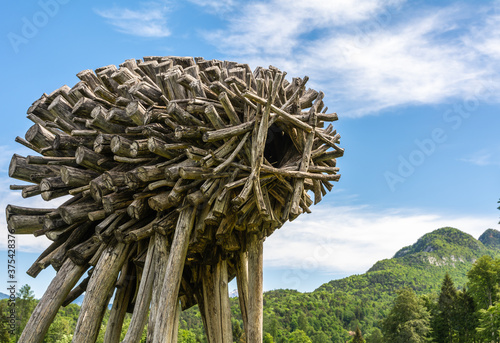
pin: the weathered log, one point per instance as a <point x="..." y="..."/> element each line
<point x="46" y="309"/>
<point x="98" y="293"/>
<point x="76" y="177"/>
<point x="77" y="212"/>
<point x="143" y="298"/>
<point x="76" y="292"/>
<point x="171" y="283"/>
<point x="255" y="289"/>
<point x="118" y="311"/>
<point x="242" y="283"/>
<point x="160" y="261"/>
<point x="81" y="253"/>
<point x="21" y="170"/>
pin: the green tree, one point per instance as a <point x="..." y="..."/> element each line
<point x="268" y="338"/>
<point x="320" y="337"/>
<point x="65" y="339"/>
<point x="299" y="336"/>
<point x="25" y="304"/>
<point x="302" y="322"/>
<point x="237" y="330"/>
<point x="408" y="319"/>
<point x="186" y="336"/>
<point x="4" y="321"/>
<point x="442" y="322"/>
<point x="464" y="317"/>
<point x="484" y="281"/>
<point x="375" y="336"/>
<point x="489" y="324"/>
<point x="60" y="327"/>
<point x="358" y="337"/>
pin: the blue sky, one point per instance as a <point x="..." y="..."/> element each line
<point x="415" y="84"/>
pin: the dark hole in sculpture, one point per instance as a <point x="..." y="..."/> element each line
<point x="278" y="143"/>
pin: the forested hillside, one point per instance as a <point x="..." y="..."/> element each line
<point x="334" y="311"/>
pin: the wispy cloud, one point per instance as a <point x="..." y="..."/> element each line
<point x="148" y="21"/>
<point x="371" y="55"/>
<point x="217" y="6"/>
<point x="352" y="239"/>
<point x="484" y="157"/>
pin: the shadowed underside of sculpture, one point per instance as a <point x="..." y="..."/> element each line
<point x="177" y="170"/>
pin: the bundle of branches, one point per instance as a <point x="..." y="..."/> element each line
<point x="176" y="170"/>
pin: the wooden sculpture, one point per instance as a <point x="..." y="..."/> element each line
<point x="176" y="170"/>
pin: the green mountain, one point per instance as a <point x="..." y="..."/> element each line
<point x="422" y="265"/>
<point x="491" y="239"/>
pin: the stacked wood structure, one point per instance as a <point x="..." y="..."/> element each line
<point x="176" y="169"/>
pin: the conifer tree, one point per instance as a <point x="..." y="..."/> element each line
<point x="358" y="337"/>
<point x="442" y="323"/>
<point x="465" y="320"/>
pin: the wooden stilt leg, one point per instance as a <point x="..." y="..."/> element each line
<point x="118" y="311"/>
<point x="242" y="282"/>
<point x="160" y="259"/>
<point x="143" y="300"/>
<point x="212" y="304"/>
<point x="171" y="283"/>
<point x="98" y="292"/>
<point x="47" y="308"/>
<point x="255" y="285"/>
<point x="175" y="331"/>
<point x="226" y="327"/>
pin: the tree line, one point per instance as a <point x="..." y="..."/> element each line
<point x="470" y="315"/>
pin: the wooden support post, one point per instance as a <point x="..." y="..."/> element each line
<point x="52" y="299"/>
<point x="255" y="289"/>
<point x="143" y="298"/>
<point x="242" y="282"/>
<point x="118" y="311"/>
<point x="160" y="260"/>
<point x="211" y="305"/>
<point x="165" y="319"/>
<point x="225" y="306"/>
<point x="98" y="292"/>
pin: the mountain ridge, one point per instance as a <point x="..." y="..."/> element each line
<point x="435" y="253"/>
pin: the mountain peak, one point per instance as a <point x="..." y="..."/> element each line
<point x="442" y="241"/>
<point x="491" y="238"/>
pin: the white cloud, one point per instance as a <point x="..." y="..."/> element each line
<point x="371" y="55"/>
<point x="148" y="21"/>
<point x="352" y="239"/>
<point x="218" y="6"/>
<point x="484" y="157"/>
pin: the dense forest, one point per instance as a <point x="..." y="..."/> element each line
<point x="443" y="288"/>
